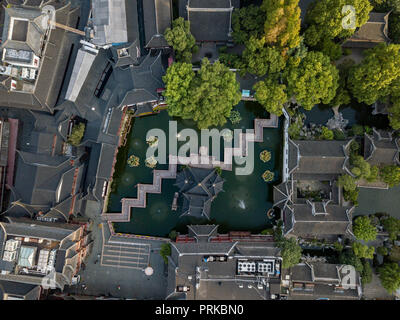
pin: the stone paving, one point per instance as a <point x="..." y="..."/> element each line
<point x="374" y="290"/>
<point x="120" y="277"/>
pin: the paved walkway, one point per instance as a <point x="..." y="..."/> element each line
<point x="201" y="161"/>
<point x="115" y="268"/>
<point x="374" y="290"/>
<point x="11" y="151"/>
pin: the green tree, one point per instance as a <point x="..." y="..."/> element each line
<point x="391" y="175"/>
<point x="394" y="113"/>
<point x="78" y="130"/>
<point x="313" y="81"/>
<point x="342" y="96"/>
<point x="363" y="229"/>
<point x="347" y="182"/>
<point x="389" y="275"/>
<point x="374" y="174"/>
<point x="271" y="95"/>
<point x="178" y="83"/>
<point x="206" y="97"/>
<point x="165" y="251"/>
<point x="364" y="168"/>
<point x="325" y="19"/>
<point x="392" y="226"/>
<point x="290" y="252"/>
<point x="375" y="77"/>
<point x="330" y="48"/>
<point x="261" y="60"/>
<point x="181" y="40"/>
<point x="366" y="274"/>
<point x="282" y="24"/>
<point x="246" y="22"/>
<point x="363" y="251"/>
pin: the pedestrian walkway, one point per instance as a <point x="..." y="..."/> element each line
<point x="125" y="255"/>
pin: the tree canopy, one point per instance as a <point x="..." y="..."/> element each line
<point x="178" y="80"/>
<point x="207" y="97"/>
<point x="313" y="81"/>
<point x="291" y="252"/>
<point x="390" y="276"/>
<point x="391" y="175"/>
<point x="363" y="251"/>
<point x="347" y="182"/>
<point x="363" y="229"/>
<point x="246" y="22"/>
<point x="392" y="226"/>
<point x="181" y="40"/>
<point x="77" y="133"/>
<point x="326" y="19"/>
<point x="260" y="59"/>
<point x="271" y="95"/>
<point x="282" y="24"/>
<point x="375" y="77"/>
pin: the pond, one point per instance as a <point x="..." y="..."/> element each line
<point x="242" y="205"/>
<point x="356" y="114"/>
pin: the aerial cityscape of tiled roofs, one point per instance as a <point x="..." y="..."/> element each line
<point x="199" y="150"/>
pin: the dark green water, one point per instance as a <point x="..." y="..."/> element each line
<point x="227" y="209"/>
<point x="356" y="114"/>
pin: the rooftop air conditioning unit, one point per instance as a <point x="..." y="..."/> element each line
<point x="260" y="286"/>
<point x="190" y="277"/>
<point x="11" y="245"/>
<point x="9" y="256"/>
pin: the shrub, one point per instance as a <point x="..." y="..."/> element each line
<point x="363" y="229"/>
<point x="172" y="235"/>
<point x="268" y="176"/>
<point x="269" y="231"/>
<point x="235" y="117"/>
<point x="133" y="161"/>
<point x="366" y="274"/>
<point x="357" y="130"/>
<point x="78" y="130"/>
<point x="165" y="251"/>
<point x="327" y="134"/>
<point x="339" y="134"/>
<point x="265" y="156"/>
